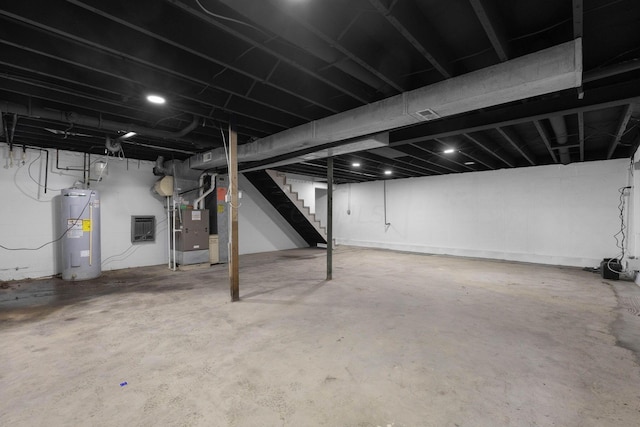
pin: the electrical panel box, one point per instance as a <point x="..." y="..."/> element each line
<point x="194" y="230"/>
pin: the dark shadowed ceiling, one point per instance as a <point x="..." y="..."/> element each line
<point x="73" y="73"/>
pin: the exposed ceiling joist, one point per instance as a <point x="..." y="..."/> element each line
<point x="336" y="81"/>
<point x="449" y="157"/>
<point x="492" y="27"/>
<point x="478" y="159"/>
<point x="170" y="36"/>
<point x="564" y="104"/>
<point x="545" y="138"/>
<point x="486" y="146"/>
<point x="322" y="45"/>
<point x="94" y="57"/>
<point x="419" y="154"/>
<point x="581" y="134"/>
<point x="427" y="151"/>
<point x="622" y="126"/>
<point x="410" y="27"/>
<point x="517" y="144"/>
<point x="396" y="163"/>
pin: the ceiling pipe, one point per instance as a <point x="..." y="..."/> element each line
<point x="97" y="122"/>
<point x="559" y="127"/>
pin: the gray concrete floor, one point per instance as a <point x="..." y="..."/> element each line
<point x="394" y="340"/>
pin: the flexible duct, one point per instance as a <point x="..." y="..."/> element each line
<point x="559" y="127"/>
<point x="160" y="170"/>
<point x="113" y="145"/>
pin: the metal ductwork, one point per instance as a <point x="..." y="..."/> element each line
<point x="159" y="169"/>
<point x="550" y="70"/>
<point x="559" y="127"/>
<point x="96" y="122"/>
<point x="113" y="145"/>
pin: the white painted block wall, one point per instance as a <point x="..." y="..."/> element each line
<point x="564" y="215"/>
<point x="261" y="228"/>
<point x="27" y="214"/>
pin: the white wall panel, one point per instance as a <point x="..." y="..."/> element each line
<point x="553" y="214"/>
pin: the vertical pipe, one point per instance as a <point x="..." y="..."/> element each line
<point x="384" y="189"/>
<point x="330" y="218"/>
<point x="46" y="172"/>
<point x="168" y="235"/>
<point x="173" y="227"/>
<point x="233" y="178"/>
<point x="90" y="230"/>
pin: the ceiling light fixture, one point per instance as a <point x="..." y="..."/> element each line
<point x="355" y="164"/>
<point x="388" y="172"/>
<point x="156" y="99"/>
<point x="469" y="163"/>
<point x="128" y="135"/>
<point x="449" y="151"/>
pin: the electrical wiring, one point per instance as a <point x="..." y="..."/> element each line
<point x="36" y="181"/>
<point x="226" y="18"/>
<point x="620" y="236"/>
<point x="122" y="254"/>
<point x="75" y="222"/>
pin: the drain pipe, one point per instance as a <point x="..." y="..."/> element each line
<point x="560" y="129"/>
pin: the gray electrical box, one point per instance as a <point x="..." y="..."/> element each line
<point x="194" y="230"/>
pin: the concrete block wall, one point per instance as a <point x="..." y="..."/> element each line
<point x="557" y="214"/>
<point x="28" y="215"/>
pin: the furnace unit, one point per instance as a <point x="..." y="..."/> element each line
<point x="192" y="239"/>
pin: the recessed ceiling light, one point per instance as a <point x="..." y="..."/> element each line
<point x="388" y="172"/>
<point x="355" y="164"/>
<point x="156" y="99"/>
<point x="469" y="163"/>
<point x="449" y="151"/>
<point x="128" y="135"/>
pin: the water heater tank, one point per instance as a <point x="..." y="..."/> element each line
<point x="80" y="217"/>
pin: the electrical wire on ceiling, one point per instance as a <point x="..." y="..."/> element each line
<point x="226" y="18"/>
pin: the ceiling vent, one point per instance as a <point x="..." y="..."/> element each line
<point x="427" y="114"/>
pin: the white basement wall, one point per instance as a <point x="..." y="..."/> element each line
<point x="561" y="215"/>
<point x="28" y="215"/>
<point x="261" y="228"/>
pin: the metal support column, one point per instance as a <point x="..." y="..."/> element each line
<point x="329" y="218"/>
<point x="234" y="279"/>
